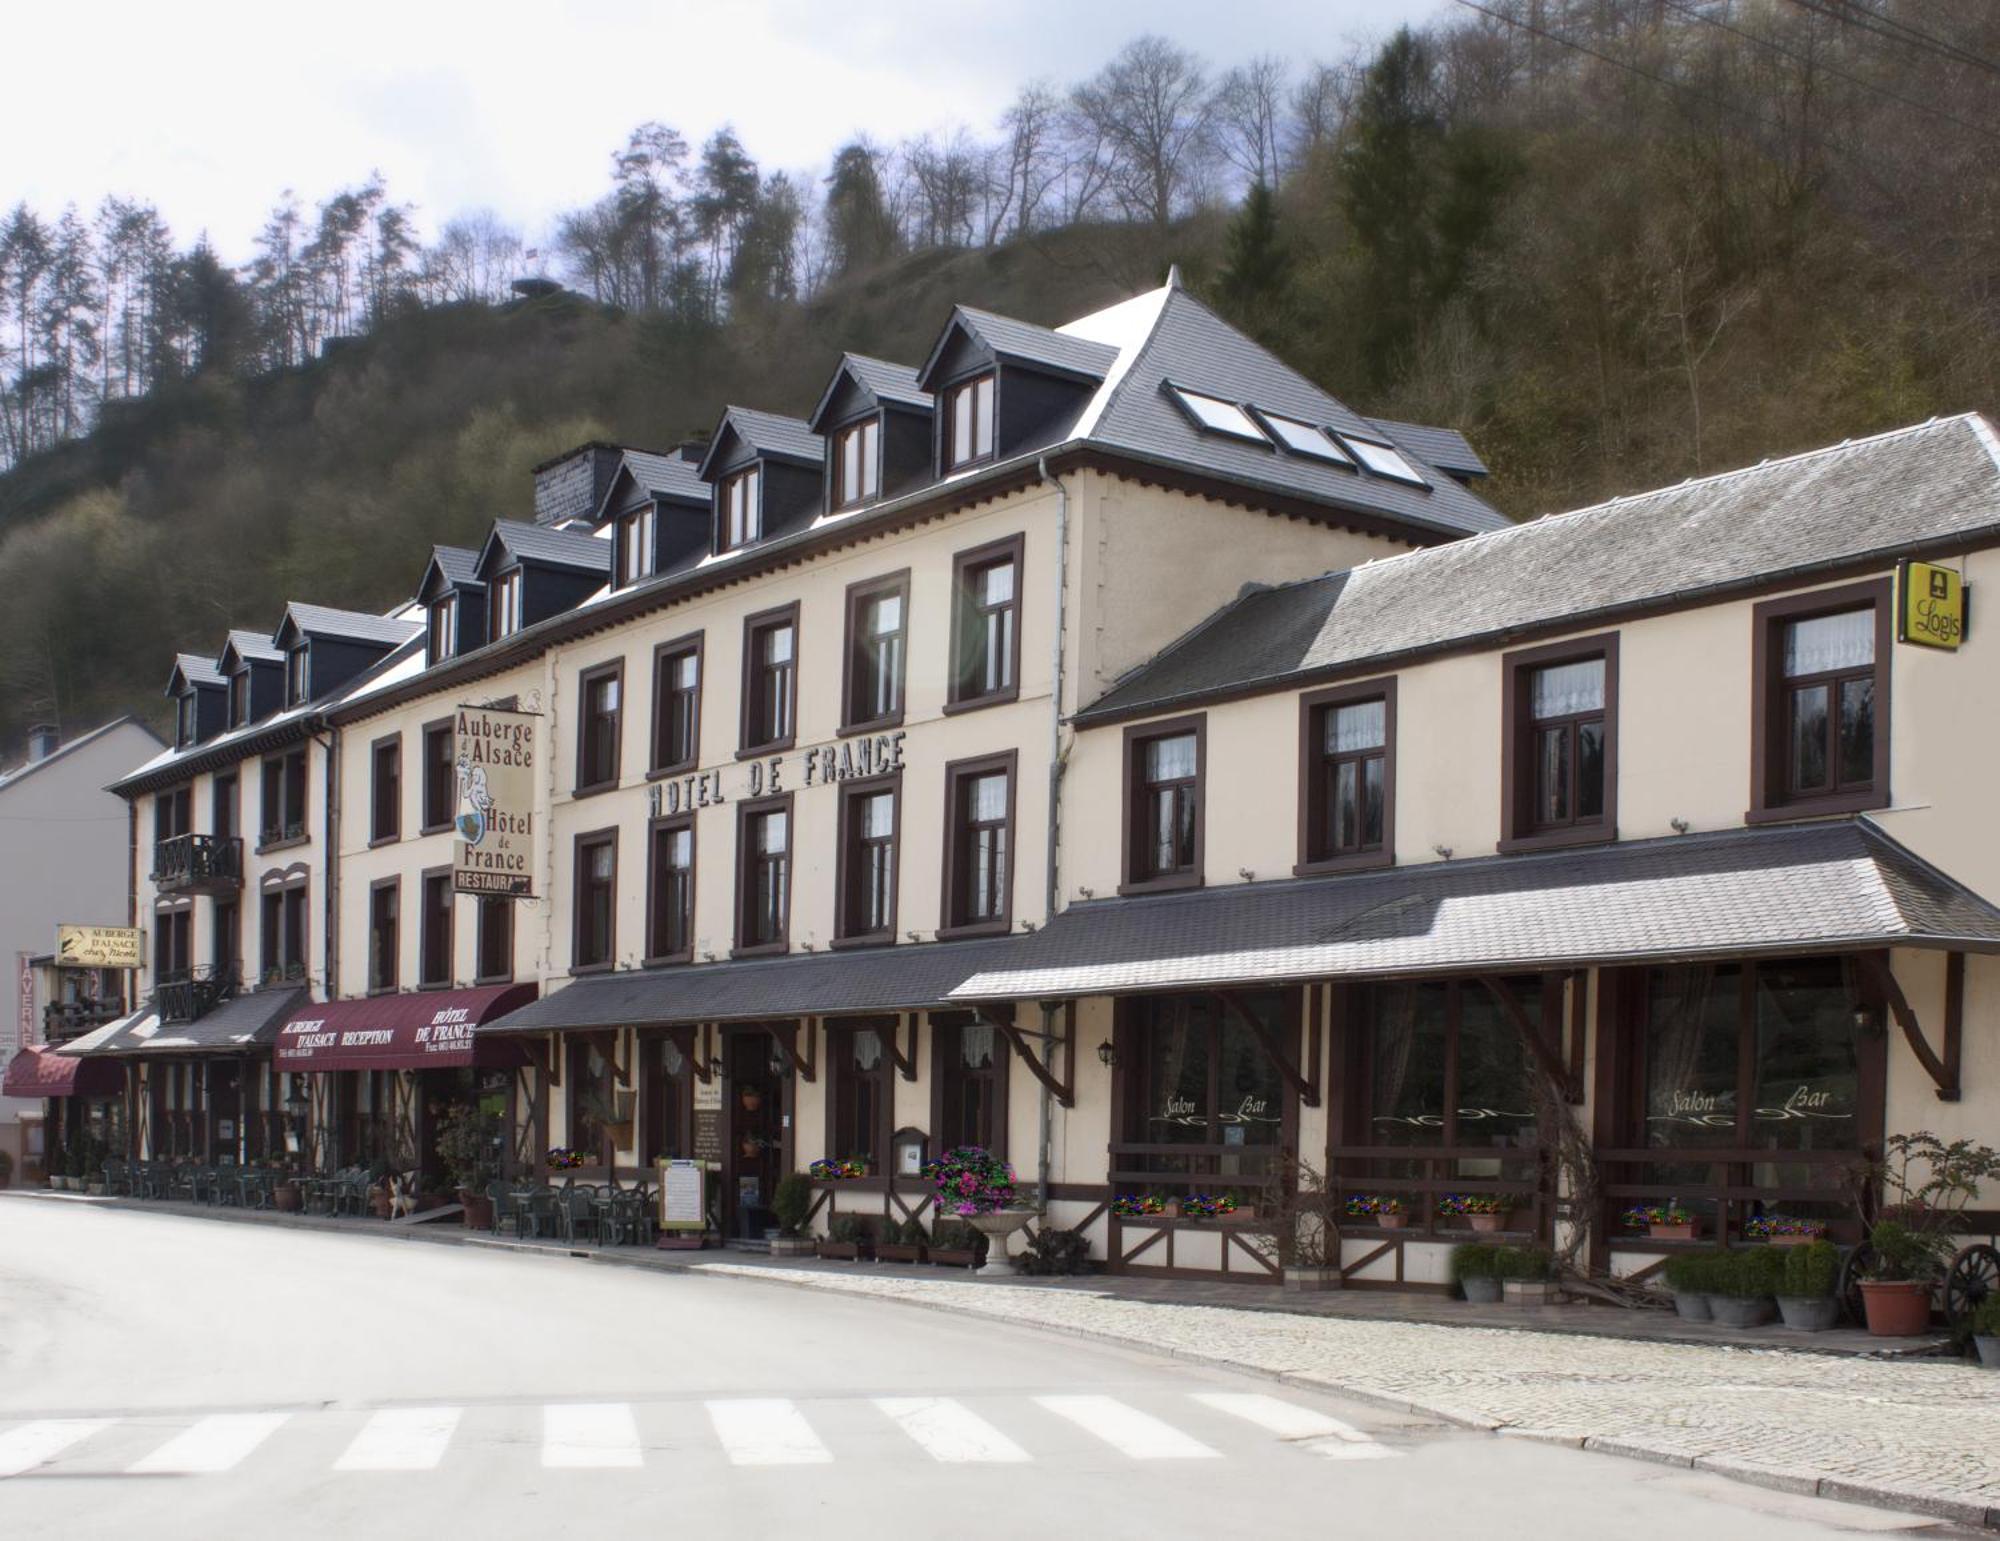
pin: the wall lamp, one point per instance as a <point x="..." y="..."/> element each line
<point x="1107" y="1056"/>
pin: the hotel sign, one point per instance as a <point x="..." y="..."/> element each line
<point x="1930" y="605"/>
<point x="100" y="947"/>
<point x="493" y="813"/>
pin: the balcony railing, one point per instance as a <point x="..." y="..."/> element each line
<point x="188" y="997"/>
<point x="63" y="1020"/>
<point x="198" y="864"/>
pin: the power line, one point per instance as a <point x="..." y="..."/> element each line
<point x="1917" y="35"/>
<point x="1869" y="21"/>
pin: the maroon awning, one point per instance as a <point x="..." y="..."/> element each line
<point x="38" y="1071"/>
<point x="430" y="1030"/>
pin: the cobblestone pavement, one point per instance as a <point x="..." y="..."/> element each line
<point x="1917" y="1435"/>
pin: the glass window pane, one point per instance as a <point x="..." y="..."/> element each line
<point x="987" y="799"/>
<point x="885" y="615"/>
<point x="1691" y="1055"/>
<point x="1384" y="460"/>
<point x="1407" y="1041"/>
<point x="996" y="584"/>
<point x="1177" y="1060"/>
<point x="1212" y="412"/>
<point x="1170" y="759"/>
<point x="1360" y="726"/>
<point x="1857" y="731"/>
<point x="878" y="814"/>
<point x="1809" y="768"/>
<point x="1347" y="805"/>
<point x="1249" y="1092"/>
<point x="1552" y="784"/>
<point x="1808" y="1059"/>
<point x="1374" y="774"/>
<point x="1844" y="641"/>
<point x="1590" y="769"/>
<point x="1562" y="690"/>
<point x="1304" y="439"/>
<point x="1495" y="1103"/>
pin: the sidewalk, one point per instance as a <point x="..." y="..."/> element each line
<point x="1913" y="1434"/>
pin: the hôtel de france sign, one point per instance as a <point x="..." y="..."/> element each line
<point x="853" y="759"/>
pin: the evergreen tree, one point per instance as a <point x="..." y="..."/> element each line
<point x="858" y="225"/>
<point x="1257" y="265"/>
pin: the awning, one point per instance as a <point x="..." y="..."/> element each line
<point x="430" y="1030"/>
<point x="1767" y="892"/>
<point x="106" y="1039"/>
<point x="242" y="1024"/>
<point x="849" y="983"/>
<point x="38" y="1071"/>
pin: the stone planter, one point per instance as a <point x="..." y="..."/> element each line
<point x="1481" y="1291"/>
<point x="996" y="1226"/>
<point x="1989" y="1352"/>
<point x="288" y="1197"/>
<point x="1493" y="1222"/>
<point x="1692" y="1306"/>
<point x="1531" y="1292"/>
<point x="1312" y="1279"/>
<point x="96" y="1190"/>
<point x="1809" y="1313"/>
<point x="1735" y="1311"/>
<point x="1896" y="1308"/>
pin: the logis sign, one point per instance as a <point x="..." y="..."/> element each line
<point x="493" y="811"/>
<point x="1930" y="605"/>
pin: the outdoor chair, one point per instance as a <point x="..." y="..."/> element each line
<point x="501" y="1196"/>
<point x="577" y="1210"/>
<point x="117" y="1179"/>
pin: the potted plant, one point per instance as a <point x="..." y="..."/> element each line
<point x="976" y="1186"/>
<point x="1054" y="1252"/>
<point x="1986" y="1330"/>
<point x="468" y="1143"/>
<point x="791" y="1202"/>
<point x="1526" y="1276"/>
<point x="1664" y="1222"/>
<point x="899" y="1241"/>
<point x="1746" y="1286"/>
<point x="561" y="1158"/>
<point x="1902" y="1268"/>
<point x="1472" y="1270"/>
<point x="1383" y="1209"/>
<point x="844" y="1239"/>
<point x="1807" y="1293"/>
<point x="1135" y="1206"/>
<point x="1925" y="1185"/>
<point x="954" y="1244"/>
<point x="286" y="1193"/>
<point x="846" y="1169"/>
<point x="1691" y="1276"/>
<point x="1203" y="1206"/>
<point x="1784" y="1230"/>
<point x="1481" y="1211"/>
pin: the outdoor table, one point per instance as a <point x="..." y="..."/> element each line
<point x="537" y="1209"/>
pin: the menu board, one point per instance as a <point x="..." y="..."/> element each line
<point x="708" y="1120"/>
<point x="681" y="1194"/>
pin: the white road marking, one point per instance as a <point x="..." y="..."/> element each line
<point x="1139" y="1435"/>
<point x="1312" y="1429"/>
<point x="401" y="1439"/>
<point x="766" y="1431"/>
<point x="590" y="1434"/>
<point x="27" y="1447"/>
<point x="213" y="1445"/>
<point x="949" y="1430"/>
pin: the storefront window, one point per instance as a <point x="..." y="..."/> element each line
<point x="970" y="1064"/>
<point x="590" y="1100"/>
<point x="1808" y="1060"/>
<point x="1206" y="1082"/>
<point x="861" y="1097"/>
<point x="1691" y="1055"/>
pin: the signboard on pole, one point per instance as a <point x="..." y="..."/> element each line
<point x="493" y="811"/>
<point x="24" y="1022"/>
<point x="100" y="947"/>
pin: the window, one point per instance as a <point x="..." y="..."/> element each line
<point x="441" y="636"/>
<point x="1821" y="709"/>
<point x="763" y="875"/>
<point x="636" y="539"/>
<point x="383" y="927"/>
<point x="1217" y="415"/>
<point x="877" y="629"/>
<point x="865" y="880"/>
<point x="440" y="776"/>
<point x="1163" y="834"/>
<point x="226" y="945"/>
<point x="598" y="728"/>
<point x="1304" y="439"/>
<point x="969" y="1081"/>
<point x="284" y="930"/>
<point x="239" y="697"/>
<point x="434" y="938"/>
<point x="385" y="818"/>
<point x="677" y="704"/>
<point x="593" y="943"/>
<point x="1560" y="756"/>
<point x="857" y="463"/>
<point x="496" y="940"/>
<point x="770" y="672"/>
<point x="222" y="805"/>
<point x="986" y="625"/>
<point x="504" y="606"/>
<point x="283" y="813"/>
<point x="861" y="1097"/>
<point x="185" y="718"/>
<point x="295" y="676"/>
<point x="670" y="892"/>
<point x="172" y="953"/>
<point x="740" y="516"/>
<point x="978" y="876"/>
<point x="591" y="1098"/>
<point x="667" y="1114"/>
<point x="172" y="813"/>
<point x="1203" y="1102"/>
<point x="968" y="423"/>
<point x="1384" y="460"/>
<point x="1346" y="777"/>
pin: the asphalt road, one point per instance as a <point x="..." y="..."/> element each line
<point x="169" y="1377"/>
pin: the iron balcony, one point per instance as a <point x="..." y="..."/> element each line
<point x="198" y="864"/>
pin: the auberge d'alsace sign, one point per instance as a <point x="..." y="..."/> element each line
<point x="493" y="810"/>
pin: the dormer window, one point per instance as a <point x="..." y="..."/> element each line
<point x="857" y="463"/>
<point x="184" y="720"/>
<point x="636" y="546"/>
<point x="442" y="635"/>
<point x="505" y="606"/>
<point x="239" y="697"/>
<point x="295" y="676"/>
<point x="968" y="422"/>
<point x="742" y="516"/>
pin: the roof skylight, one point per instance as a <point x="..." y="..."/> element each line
<point x="1219" y="416"/>
<point x="1304" y="439"/>
<point x="1384" y="460"/>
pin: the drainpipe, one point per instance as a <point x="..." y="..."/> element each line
<point x="1055" y="804"/>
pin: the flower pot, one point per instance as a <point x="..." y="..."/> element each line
<point x="1684" y="1231"/>
<point x="996" y="1226"/>
<point x="288" y="1197"/>
<point x="1481" y="1291"/>
<point x="96" y="1190"/>
<point x="751" y="1098"/>
<point x="478" y="1210"/>
<point x="1896" y="1308"/>
<point x="1989" y="1352"/>
<point x="1737" y="1311"/>
<point x="1392" y="1222"/>
<point x="1312" y="1279"/>
<point x="1692" y="1306"/>
<point x="1493" y="1222"/>
<point x="1809" y="1313"/>
<point x="840" y="1251"/>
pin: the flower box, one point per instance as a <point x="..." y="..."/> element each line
<point x="1490" y="1222"/>
<point x="840" y="1251"/>
<point x="953" y="1257"/>
<point x="1671" y="1230"/>
<point x="1392" y="1222"/>
<point x="898" y="1252"/>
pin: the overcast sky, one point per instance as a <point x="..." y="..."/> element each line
<point x="212" y="108"/>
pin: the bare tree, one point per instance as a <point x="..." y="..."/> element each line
<point x="1150" y="111"/>
<point x="1321" y="104"/>
<point x="1249" y="108"/>
<point x="1030" y="161"/>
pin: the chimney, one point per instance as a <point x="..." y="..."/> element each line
<point x="573" y="484"/>
<point x="43" y="740"/>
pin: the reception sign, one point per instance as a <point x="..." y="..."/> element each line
<point x="100" y="947"/>
<point x="493" y="813"/>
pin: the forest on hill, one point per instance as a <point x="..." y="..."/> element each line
<point x="1618" y="242"/>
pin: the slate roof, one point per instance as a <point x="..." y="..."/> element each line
<point x="768" y="433"/>
<point x="667" y="476"/>
<point x="241" y="1022"/>
<point x="894" y="384"/>
<point x="349" y="625"/>
<point x="1445" y="448"/>
<point x="900" y="978"/>
<point x="458" y="565"/>
<point x="1048" y="348"/>
<point x="1735" y="893"/>
<point x="9" y="776"/>
<point x="577" y="549"/>
<point x="253" y="646"/>
<point x="1870" y="498"/>
<point x="195" y="670"/>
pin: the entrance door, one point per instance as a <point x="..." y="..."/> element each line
<point x="225" y="1110"/>
<point x="755" y="1096"/>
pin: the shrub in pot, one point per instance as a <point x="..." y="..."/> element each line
<point x="899" y="1242"/>
<point x="1806" y="1292"/>
<point x="1746" y="1287"/>
<point x="844" y="1238"/>
<point x="1903" y="1268"/>
<point x="791" y="1204"/>
<point x="954" y="1244"/>
<point x="1986" y="1331"/>
<point x="1692" y="1278"/>
<point x="1473" y="1271"/>
<point x="1526" y="1275"/>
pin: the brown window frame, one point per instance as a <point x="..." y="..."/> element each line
<point x="755" y="626"/>
<point x="945" y="1054"/>
<point x="489" y="904"/>
<point x="447" y="788"/>
<point x="505" y="584"/>
<point x="843" y="1079"/>
<point x="427" y="978"/>
<point x="239" y="697"/>
<point x="383" y="981"/>
<point x="276" y="961"/>
<point x="753" y="512"/>
<point x="385" y="821"/>
<point x="298" y="674"/>
<point x="837" y="499"/>
<point x="746" y="888"/>
<point x="663" y="656"/>
<point x="441" y="628"/>
<point x="857" y="674"/>
<point x="225" y="805"/>
<point x="845" y="869"/>
<point x="588" y="724"/>
<point x="1315" y="852"/>
<point x="272" y="837"/>
<point x="1518" y="831"/>
<point x="674" y="824"/>
<point x="173" y="941"/>
<point x="590" y="839"/>
<point x="628" y="524"/>
<point x="1136" y="738"/>
<point x="948" y="402"/>
<point x="964" y="565"/>
<point x="1770" y="749"/>
<point x="956" y="773"/>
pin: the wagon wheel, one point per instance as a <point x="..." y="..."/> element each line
<point x="1975" y="1274"/>
<point x="1852" y="1267"/>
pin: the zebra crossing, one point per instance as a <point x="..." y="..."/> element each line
<point x="744" y="1431"/>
